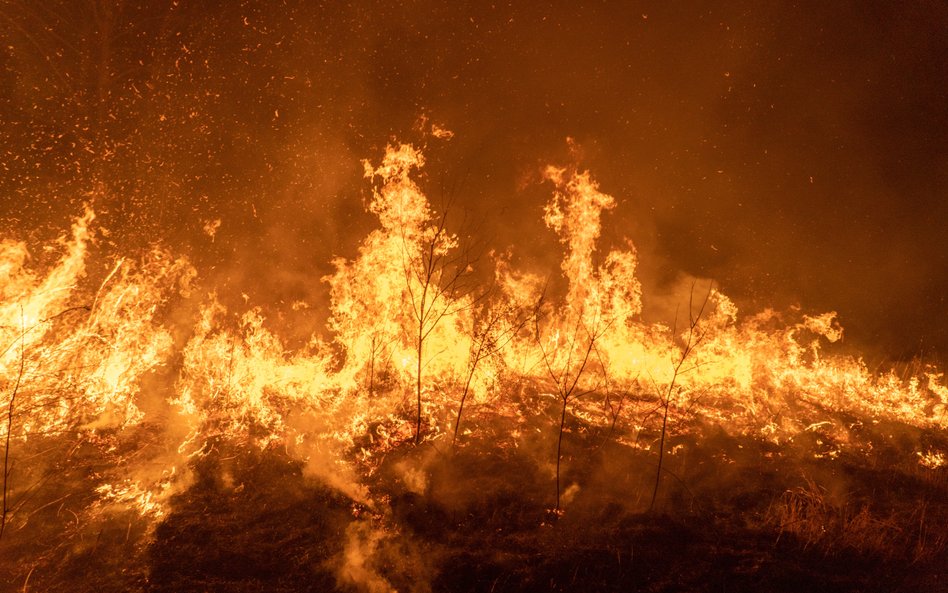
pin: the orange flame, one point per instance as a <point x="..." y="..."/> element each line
<point x="413" y="342"/>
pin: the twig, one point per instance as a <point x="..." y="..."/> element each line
<point x="10" y="409"/>
<point x="694" y="338"/>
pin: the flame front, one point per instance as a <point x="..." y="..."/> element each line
<point x="416" y="351"/>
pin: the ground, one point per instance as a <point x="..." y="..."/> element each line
<point x="733" y="513"/>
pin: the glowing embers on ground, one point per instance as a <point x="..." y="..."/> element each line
<point x="417" y="351"/>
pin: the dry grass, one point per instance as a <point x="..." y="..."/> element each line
<point x="810" y="515"/>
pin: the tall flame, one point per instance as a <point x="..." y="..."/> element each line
<point x="417" y="353"/>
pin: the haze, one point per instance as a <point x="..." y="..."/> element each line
<point x="795" y="153"/>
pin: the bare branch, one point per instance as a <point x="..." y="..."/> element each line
<point x="691" y="342"/>
<point x="4" y="509"/>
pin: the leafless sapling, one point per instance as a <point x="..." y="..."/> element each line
<point x="11" y="408"/>
<point x="435" y="277"/>
<point x="494" y="328"/>
<point x="566" y="365"/>
<point x="692" y="338"/>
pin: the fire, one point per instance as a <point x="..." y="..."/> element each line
<point x="415" y="352"/>
<point x="79" y="367"/>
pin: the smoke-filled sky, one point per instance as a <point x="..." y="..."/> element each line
<point x="796" y="153"/>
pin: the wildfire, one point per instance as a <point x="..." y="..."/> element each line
<point x="415" y="352"/>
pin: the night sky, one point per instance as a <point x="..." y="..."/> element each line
<point x="796" y="153"/>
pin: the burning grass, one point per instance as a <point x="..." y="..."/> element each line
<point x="736" y="511"/>
<point x="525" y="435"/>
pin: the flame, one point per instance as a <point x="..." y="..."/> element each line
<point x="79" y="366"/>
<point x="418" y="351"/>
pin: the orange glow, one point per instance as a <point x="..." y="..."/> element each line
<point x="413" y="342"/>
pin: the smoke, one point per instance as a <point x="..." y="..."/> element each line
<point x="370" y="550"/>
<point x="744" y="163"/>
<point x="356" y="565"/>
<point x="669" y="302"/>
<point x="324" y="457"/>
<point x="234" y="135"/>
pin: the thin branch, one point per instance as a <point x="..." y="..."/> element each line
<point x="10" y="409"/>
<point x="692" y="341"/>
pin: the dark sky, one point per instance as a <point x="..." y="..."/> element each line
<point x="797" y="153"/>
